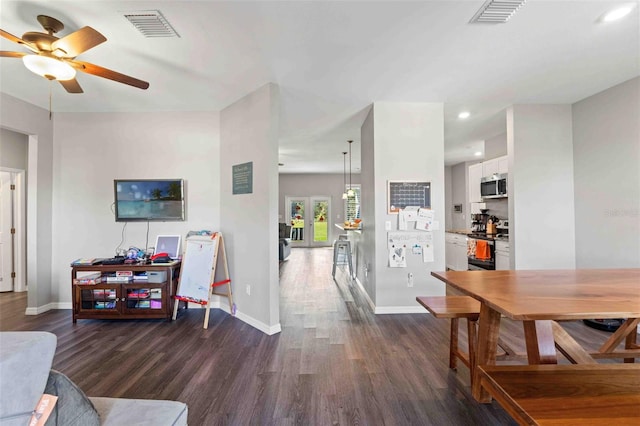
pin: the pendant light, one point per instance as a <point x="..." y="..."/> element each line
<point x="344" y="175"/>
<point x="350" y="192"/>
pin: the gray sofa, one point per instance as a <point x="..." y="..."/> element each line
<point x="25" y="374"/>
<point x="284" y="243"/>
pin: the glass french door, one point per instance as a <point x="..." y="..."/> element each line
<point x="309" y="218"/>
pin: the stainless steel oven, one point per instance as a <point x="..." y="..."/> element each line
<point x="481" y="253"/>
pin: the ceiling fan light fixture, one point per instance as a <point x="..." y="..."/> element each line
<point x="49" y="68"/>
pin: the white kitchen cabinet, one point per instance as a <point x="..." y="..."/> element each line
<point x="503" y="164"/>
<point x="502" y="255"/>
<point x="449" y="251"/>
<point x="455" y="251"/>
<point x="475" y="175"/>
<point x="490" y="167"/>
<point x="495" y="165"/>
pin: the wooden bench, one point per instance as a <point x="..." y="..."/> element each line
<point x="591" y="394"/>
<point x="454" y="308"/>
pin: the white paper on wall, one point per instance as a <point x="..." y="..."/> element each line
<point x="406" y="215"/>
<point x="402" y="221"/>
<point x="407" y="238"/>
<point x="398" y="257"/>
<point x="425" y="220"/>
<point x="428" y="249"/>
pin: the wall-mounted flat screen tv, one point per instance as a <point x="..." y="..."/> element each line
<point x="149" y="199"/>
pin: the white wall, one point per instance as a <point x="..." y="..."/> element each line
<point x="495" y="146"/>
<point x="541" y="208"/>
<point x="13" y="149"/>
<point x="606" y="131"/>
<point x="448" y="198"/>
<point x="408" y="145"/>
<point x="366" y="243"/>
<point x="459" y="176"/>
<point x="249" y="133"/>
<point x="93" y="149"/>
<point x="316" y="184"/>
<point x="25" y="118"/>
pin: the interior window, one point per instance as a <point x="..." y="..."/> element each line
<point x="352" y="204"/>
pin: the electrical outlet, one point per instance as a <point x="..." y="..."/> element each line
<point x="409" y="279"/>
<point x="249" y="289"/>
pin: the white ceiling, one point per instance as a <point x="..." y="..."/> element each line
<point x="332" y="59"/>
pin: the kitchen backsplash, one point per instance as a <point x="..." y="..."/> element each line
<point x="498" y="207"/>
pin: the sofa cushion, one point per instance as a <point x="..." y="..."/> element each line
<point x="25" y="361"/>
<point x="73" y="408"/>
<point x="139" y="412"/>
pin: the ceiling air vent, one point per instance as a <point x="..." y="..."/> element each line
<point x="151" y="23"/>
<point x="496" y="11"/>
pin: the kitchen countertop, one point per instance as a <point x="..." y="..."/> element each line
<point x="458" y="231"/>
<point x="349" y="228"/>
<point x="490" y="237"/>
<point x="481" y="236"/>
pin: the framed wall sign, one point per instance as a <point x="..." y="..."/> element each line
<point x="401" y="194"/>
<point x="243" y="178"/>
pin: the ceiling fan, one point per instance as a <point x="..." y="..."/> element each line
<point x="54" y="58"/>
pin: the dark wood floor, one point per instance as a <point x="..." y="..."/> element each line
<point x="335" y="363"/>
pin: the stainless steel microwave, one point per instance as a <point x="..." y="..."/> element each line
<point x="494" y="186"/>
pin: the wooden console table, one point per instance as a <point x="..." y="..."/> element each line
<point x="137" y="299"/>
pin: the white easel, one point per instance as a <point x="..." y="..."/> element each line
<point x="198" y="273"/>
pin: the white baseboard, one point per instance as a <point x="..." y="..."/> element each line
<point x="366" y="295"/>
<point x="266" y="329"/>
<point x="40" y="309"/>
<point x="389" y="309"/>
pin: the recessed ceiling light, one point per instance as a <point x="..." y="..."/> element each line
<point x="477" y="153"/>
<point x="619" y="13"/>
<point x="464" y="115"/>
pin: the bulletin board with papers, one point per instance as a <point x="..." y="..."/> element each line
<point x="402" y="243"/>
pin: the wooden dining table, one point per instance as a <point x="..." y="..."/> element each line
<point x="538" y="298"/>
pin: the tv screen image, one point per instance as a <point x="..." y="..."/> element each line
<point x="149" y="199"/>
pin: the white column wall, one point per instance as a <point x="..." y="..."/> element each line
<point x="408" y="145"/>
<point x="366" y="251"/>
<point x="606" y="133"/>
<point x="249" y="133"/>
<point x="541" y="208"/>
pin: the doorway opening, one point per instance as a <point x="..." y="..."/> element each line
<point x="310" y="222"/>
<point x="12" y="230"/>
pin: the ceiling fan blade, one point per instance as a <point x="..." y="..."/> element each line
<point x="8" y="54"/>
<point x="77" y="42"/>
<point x="18" y="40"/>
<point x="107" y="73"/>
<point x="71" y="86"/>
